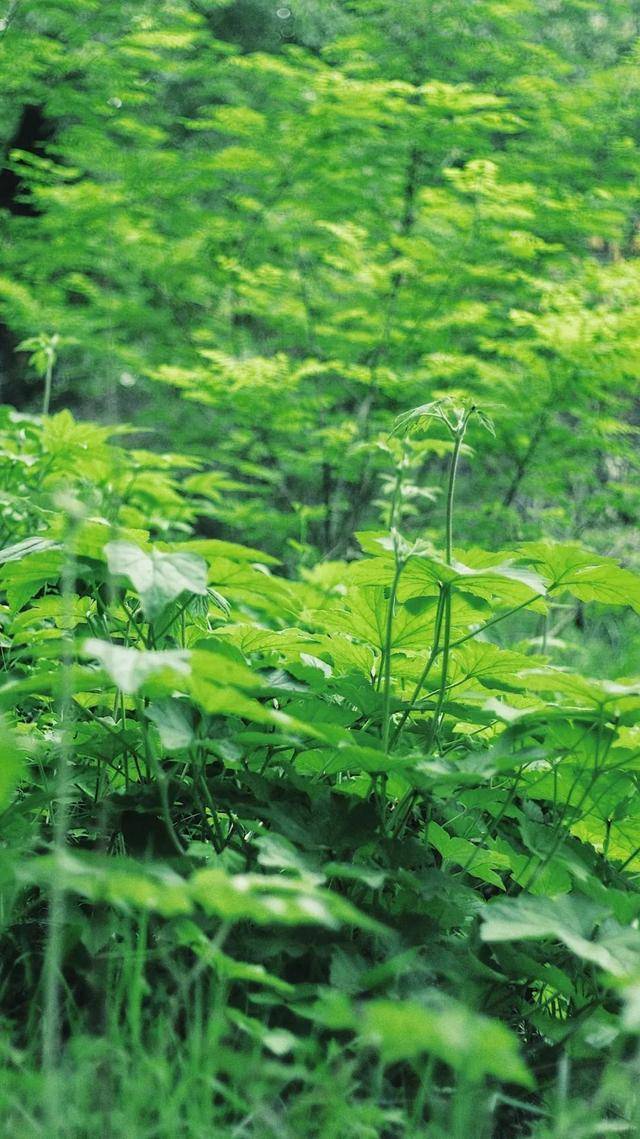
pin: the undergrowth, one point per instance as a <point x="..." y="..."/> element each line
<point x="348" y="854"/>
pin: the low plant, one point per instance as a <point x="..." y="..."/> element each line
<point x="350" y="854"/>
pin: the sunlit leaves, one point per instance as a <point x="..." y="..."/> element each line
<point x="477" y="861"/>
<point x="572" y="569"/>
<point x="130" y="668"/>
<point x="301" y="749"/>
<point x="173" y="723"/>
<point x="583" y="927"/>
<point x="256" y="898"/>
<point x="118" y="882"/>
<point x="449" y="411"/>
<point x="157" y="578"/>
<point x="271" y="899"/>
<point x="27" y="546"/>
<point x="24" y="576"/>
<point x="468" y="1042"/>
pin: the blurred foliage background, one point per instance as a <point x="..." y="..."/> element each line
<point x="259" y="231"/>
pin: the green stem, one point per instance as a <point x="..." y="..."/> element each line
<point x="634" y="854"/>
<point x="61" y="813"/>
<point x="446" y="650"/>
<point x="397" y="491"/>
<point x="453" y="470"/>
<point x="435" y="649"/>
<point x="48" y="384"/>
<point x="215" y="830"/>
<point x="444" y="601"/>
<point x="496" y="620"/>
<point x="388" y="642"/>
<point x="385" y="649"/>
<point x="443" y="614"/>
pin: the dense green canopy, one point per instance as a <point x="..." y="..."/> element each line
<point x="308" y="218"/>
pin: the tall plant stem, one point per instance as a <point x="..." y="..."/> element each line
<point x="155" y="769"/>
<point x="451" y="487"/>
<point x="443" y="612"/>
<point x="48" y="384"/>
<point x="435" y="649"/>
<point x="446" y="649"/>
<point x="387" y="647"/>
<point x="443" y="620"/>
<point x="60" y="812"/>
<point x="446" y="587"/>
<point x="388" y="644"/>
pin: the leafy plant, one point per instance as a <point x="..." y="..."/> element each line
<point x="319" y="717"/>
<point x="301" y="818"/>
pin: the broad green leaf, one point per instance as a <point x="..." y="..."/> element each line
<point x="473" y="1045"/>
<point x="483" y="577"/>
<point x="173" y="723"/>
<point x="120" y="882"/>
<point x="350" y="757"/>
<point x="213" y="548"/>
<point x="477" y="861"/>
<point x="525" y="918"/>
<point x="61" y="613"/>
<point x="25" y="576"/>
<point x="215" y="661"/>
<point x="157" y="578"/>
<point x="89" y="536"/>
<point x="130" y="669"/>
<point x="589" y="577"/>
<point x="252" y="585"/>
<point x="503" y="584"/>
<point x="48" y="682"/>
<point x="190" y="934"/>
<point x="363" y="616"/>
<point x="583" y="927"/>
<point x="273" y="899"/>
<point x="255" y="638"/>
<point x="614" y="698"/>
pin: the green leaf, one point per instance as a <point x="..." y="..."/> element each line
<point x="477" y="861"/>
<point x="27" y="546"/>
<point x="588" y="576"/>
<point x="120" y="882"/>
<point x="501" y="583"/>
<point x="422" y="417"/>
<point x="190" y="934"/>
<point x="279" y="1041"/>
<point x="582" y="926"/>
<point x="130" y="669"/>
<point x="272" y="899"/>
<point x="173" y="723"/>
<point x="24" y="576"/>
<point x="157" y="578"/>
<point x="213" y="548"/>
<point x="473" y="1045"/>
